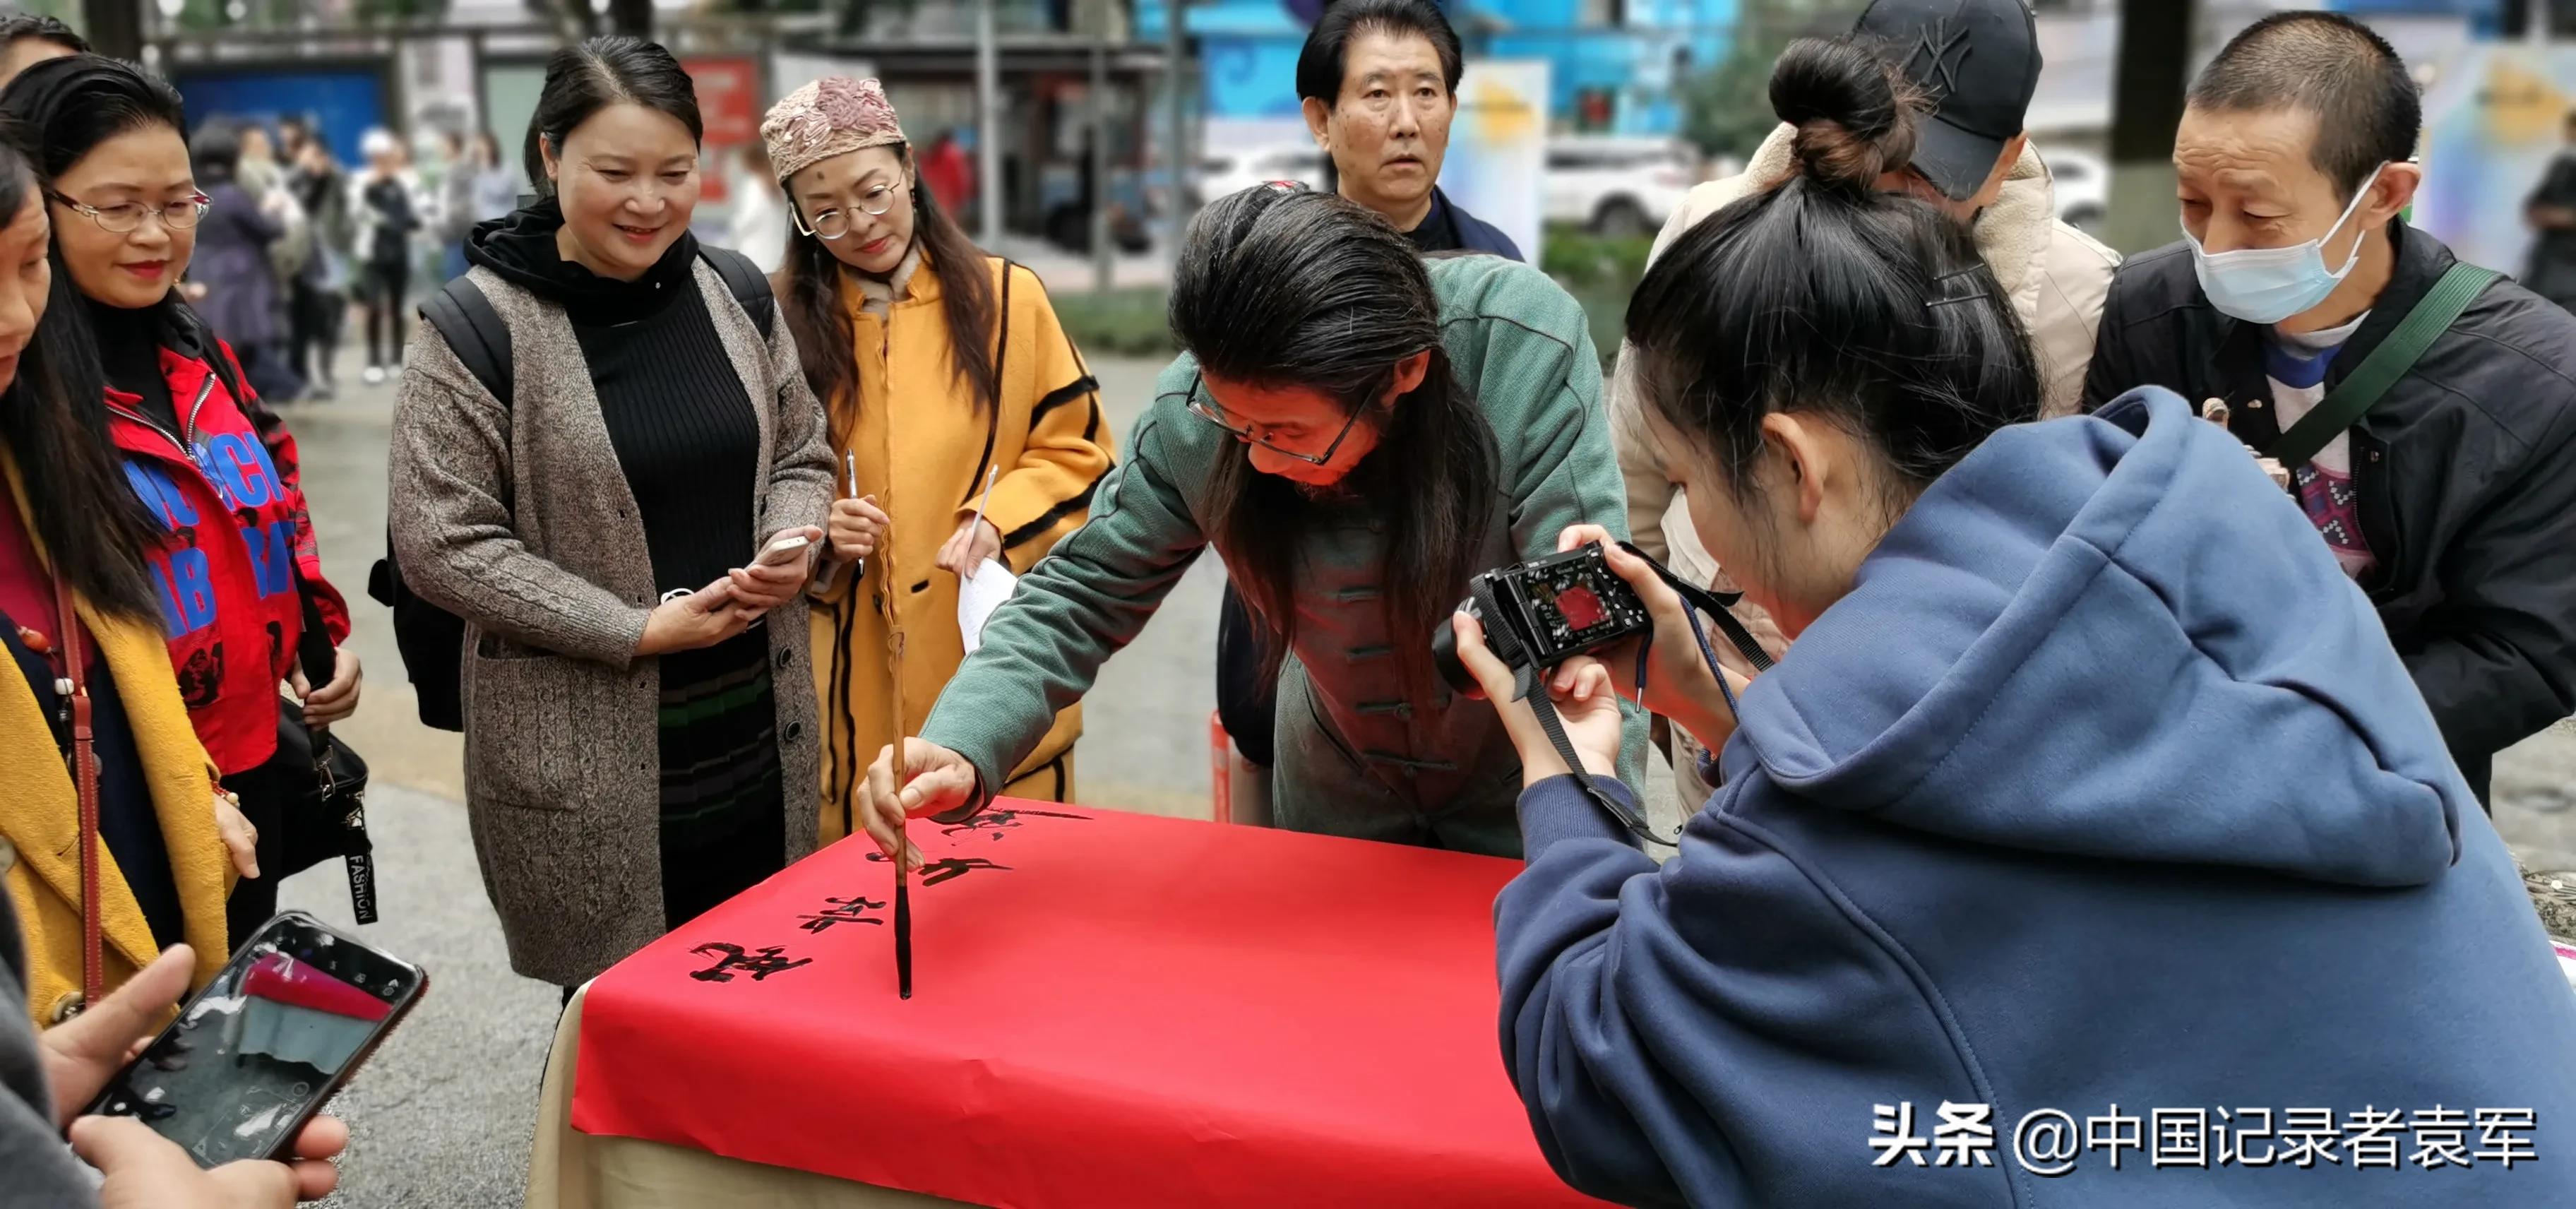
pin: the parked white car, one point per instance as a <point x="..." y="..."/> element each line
<point x="1616" y="185"/>
<point x="1222" y="173"/>
<point x="2083" y="187"/>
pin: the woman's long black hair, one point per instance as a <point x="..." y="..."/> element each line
<point x="54" y="428"/>
<point x="1294" y="288"/>
<point x="810" y="281"/>
<point x="1828" y="297"/>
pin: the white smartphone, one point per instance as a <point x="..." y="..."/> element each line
<point x="785" y="550"/>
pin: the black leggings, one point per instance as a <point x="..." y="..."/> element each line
<point x="382" y="287"/>
<point x="313" y="330"/>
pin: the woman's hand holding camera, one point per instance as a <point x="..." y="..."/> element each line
<point x="1678" y="683"/>
<point x="1585" y="702"/>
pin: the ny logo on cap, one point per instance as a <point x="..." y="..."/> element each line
<point x="1948" y="50"/>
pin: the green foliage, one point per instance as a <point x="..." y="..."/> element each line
<point x="1727" y="109"/>
<point x="1601" y="272"/>
<point x="1120" y="323"/>
<point x="1580" y="260"/>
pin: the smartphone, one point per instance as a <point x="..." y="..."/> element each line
<point x="253" y="1056"/>
<point x="785" y="550"/>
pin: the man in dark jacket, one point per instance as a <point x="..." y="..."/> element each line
<point x="2551" y="210"/>
<point x="2453" y="501"/>
<point x="1378" y="80"/>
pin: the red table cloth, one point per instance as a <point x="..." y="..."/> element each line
<point x="1108" y="1009"/>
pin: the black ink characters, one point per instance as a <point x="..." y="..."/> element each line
<point x="947" y="868"/>
<point x="852" y="910"/>
<point x="1000" y="821"/>
<point x="760" y="964"/>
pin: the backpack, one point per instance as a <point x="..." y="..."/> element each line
<point x="431" y="639"/>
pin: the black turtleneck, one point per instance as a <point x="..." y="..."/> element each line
<point x="678" y="414"/>
<point x="129" y="351"/>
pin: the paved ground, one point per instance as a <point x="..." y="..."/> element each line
<point x="442" y="1115"/>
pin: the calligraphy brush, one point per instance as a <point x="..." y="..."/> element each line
<point x="903" y="840"/>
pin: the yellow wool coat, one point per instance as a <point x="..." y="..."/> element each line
<point x="40" y="820"/>
<point x="922" y="446"/>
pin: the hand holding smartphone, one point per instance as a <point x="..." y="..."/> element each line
<point x="255" y="1055"/>
<point x="785" y="551"/>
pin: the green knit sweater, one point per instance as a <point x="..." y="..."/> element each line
<point x="1361" y="751"/>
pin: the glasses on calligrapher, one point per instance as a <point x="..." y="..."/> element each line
<point x="1207" y="408"/>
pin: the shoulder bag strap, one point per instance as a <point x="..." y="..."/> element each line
<point x="743" y="278"/>
<point x="74" y="689"/>
<point x="2362" y="389"/>
<point x="475" y="332"/>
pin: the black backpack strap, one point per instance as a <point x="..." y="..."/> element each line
<point x="744" y="278"/>
<point x="474" y="332"/>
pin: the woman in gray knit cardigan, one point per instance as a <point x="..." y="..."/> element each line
<point x="639" y="710"/>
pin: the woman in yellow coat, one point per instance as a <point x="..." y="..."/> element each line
<point x="939" y="366"/>
<point x="72" y="530"/>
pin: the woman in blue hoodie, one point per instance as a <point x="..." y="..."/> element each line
<point x="2089" y="847"/>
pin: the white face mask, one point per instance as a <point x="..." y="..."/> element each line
<point x="2268" y="285"/>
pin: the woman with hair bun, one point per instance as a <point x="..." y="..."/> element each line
<point x="2089" y="786"/>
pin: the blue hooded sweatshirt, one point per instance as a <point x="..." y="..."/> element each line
<point x="2102" y="792"/>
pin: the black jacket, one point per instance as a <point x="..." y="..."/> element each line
<point x="2466" y="472"/>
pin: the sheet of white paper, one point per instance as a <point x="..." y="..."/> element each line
<point x="979" y="595"/>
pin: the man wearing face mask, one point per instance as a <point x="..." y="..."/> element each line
<point x="2295" y="294"/>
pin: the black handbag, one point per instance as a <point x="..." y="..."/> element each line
<point x="321" y="782"/>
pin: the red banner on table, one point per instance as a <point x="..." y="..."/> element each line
<point x="1108" y="1010"/>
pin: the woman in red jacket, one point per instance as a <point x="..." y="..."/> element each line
<point x="236" y="563"/>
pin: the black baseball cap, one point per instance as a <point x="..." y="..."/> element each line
<point x="1979" y="62"/>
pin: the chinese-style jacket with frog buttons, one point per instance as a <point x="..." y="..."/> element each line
<point x="1361" y="751"/>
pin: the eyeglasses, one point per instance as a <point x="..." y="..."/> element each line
<point x="1207" y="409"/>
<point x="835" y="223"/>
<point x="126" y="216"/>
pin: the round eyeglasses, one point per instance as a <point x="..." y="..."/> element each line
<point x="1207" y="409"/>
<point x="127" y="216"/>
<point x="835" y="223"/>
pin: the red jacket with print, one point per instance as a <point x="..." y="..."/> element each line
<point x="226" y="494"/>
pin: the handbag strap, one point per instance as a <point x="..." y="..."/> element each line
<point x="2361" y="390"/>
<point x="74" y="689"/>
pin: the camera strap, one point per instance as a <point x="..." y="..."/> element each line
<point x="1701" y="600"/>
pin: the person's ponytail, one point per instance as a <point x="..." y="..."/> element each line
<point x="1856" y="114"/>
<point x="1830" y="296"/>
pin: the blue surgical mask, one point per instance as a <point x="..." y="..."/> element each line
<point x="2268" y="285"/>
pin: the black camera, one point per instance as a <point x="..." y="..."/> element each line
<point x="1541" y="613"/>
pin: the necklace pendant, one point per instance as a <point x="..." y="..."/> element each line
<point x="36" y="641"/>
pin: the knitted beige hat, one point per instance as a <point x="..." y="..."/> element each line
<point x="831" y="116"/>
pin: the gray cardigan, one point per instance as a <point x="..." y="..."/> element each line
<point x="519" y="520"/>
